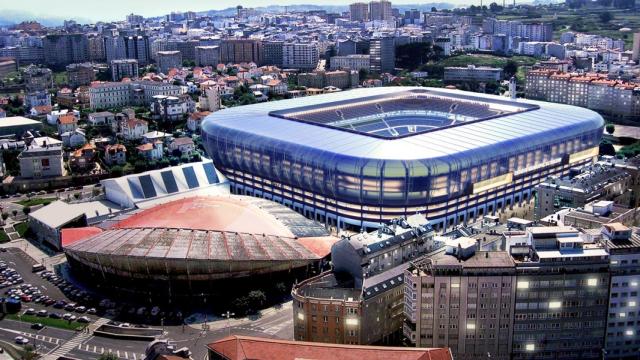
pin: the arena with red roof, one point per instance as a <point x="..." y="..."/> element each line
<point x="184" y="245"/>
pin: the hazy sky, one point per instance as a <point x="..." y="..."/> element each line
<point x="117" y="9"/>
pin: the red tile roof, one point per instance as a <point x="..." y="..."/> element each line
<point x="67" y="119"/>
<point x="246" y="347"/>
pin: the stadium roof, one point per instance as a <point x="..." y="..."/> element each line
<point x="151" y="187"/>
<point x="211" y="228"/>
<point x="245" y="347"/>
<point x="541" y="122"/>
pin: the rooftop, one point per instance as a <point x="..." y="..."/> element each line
<point x="245" y="348"/>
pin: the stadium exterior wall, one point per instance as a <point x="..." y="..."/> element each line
<point x="345" y="178"/>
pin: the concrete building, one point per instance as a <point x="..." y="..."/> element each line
<point x="272" y="52"/>
<point x="124" y="68"/>
<point x="380" y="10"/>
<point x="96" y="48"/>
<point x="359" y="12"/>
<point x="17" y="125"/>
<point x="320" y="79"/>
<point x="171" y="108"/>
<point x="41" y="161"/>
<point x="472" y="73"/>
<point x="302" y="56"/>
<point x="623" y="337"/>
<point x="559" y="314"/>
<point x="37" y="78"/>
<point x="237" y="51"/>
<point x="7" y="66"/>
<point x="168" y="60"/>
<point x="462" y="299"/>
<point x="382" y="54"/>
<point x="207" y="55"/>
<point x="135" y="93"/>
<point x="636" y="47"/>
<point x="361" y="300"/>
<point x="209" y="99"/>
<point x="80" y="74"/>
<point x="352" y="62"/>
<point x="594" y="182"/>
<point x="64" y="49"/>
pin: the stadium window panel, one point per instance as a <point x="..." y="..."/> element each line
<point x="190" y="175"/>
<point x="210" y="171"/>
<point x="169" y="182"/>
<point x="147" y="186"/>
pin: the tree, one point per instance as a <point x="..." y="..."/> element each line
<point x="29" y="353"/>
<point x="5" y="216"/>
<point x="140" y="166"/>
<point x="610" y="129"/>
<point x="510" y="69"/>
<point x="433" y="9"/>
<point x="117" y="170"/>
<point x="26" y="210"/>
<point x="606" y="148"/>
<point x="76" y="196"/>
<point x="257" y="299"/>
<point x="14" y="212"/>
<point x="605" y="17"/>
<point x="411" y="56"/>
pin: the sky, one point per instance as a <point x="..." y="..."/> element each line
<point x="96" y="10"/>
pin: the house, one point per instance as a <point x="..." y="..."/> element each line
<point x="83" y="159"/>
<point x="153" y="136"/>
<point x="183" y="144"/>
<point x="277" y="87"/>
<point x="195" y="120"/>
<point x="115" y="154"/>
<point x="41" y="110"/>
<point x="101" y="118"/>
<point x="67" y="123"/>
<point x="171" y="108"/>
<point x="54" y="115"/>
<point x="74" y="138"/>
<point x="151" y="151"/>
<point x="133" y="129"/>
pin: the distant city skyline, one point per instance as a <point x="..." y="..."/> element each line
<point x="118" y="9"/>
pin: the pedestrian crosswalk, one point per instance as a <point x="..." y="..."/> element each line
<point x="74" y="342"/>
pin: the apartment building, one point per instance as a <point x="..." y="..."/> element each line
<point x="41" y="161"/>
<point x="382" y="54"/>
<point x="380" y="10"/>
<point x="302" y="56"/>
<point x="207" y="55"/>
<point x="118" y="94"/>
<point x="80" y="74"/>
<point x="359" y="12"/>
<point x="361" y="300"/>
<point x="124" y="68"/>
<point x="168" y="60"/>
<point x="352" y="62"/>
<point x="472" y="73"/>
<point x="463" y="299"/>
<point x="616" y="98"/>
<point x="623" y="320"/>
<point x="237" y="51"/>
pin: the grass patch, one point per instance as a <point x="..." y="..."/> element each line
<point x="47" y="321"/>
<point x="21" y="228"/>
<point x="486" y="60"/>
<point x="37" y="201"/>
<point x="4" y="238"/>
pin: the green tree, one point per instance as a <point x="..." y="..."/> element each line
<point x="5" y="216"/>
<point x="606" y="148"/>
<point x="76" y="196"/>
<point x="605" y="17"/>
<point x="257" y="299"/>
<point x="610" y="129"/>
<point x="26" y="210"/>
<point x="116" y="170"/>
<point x="140" y="166"/>
<point x="29" y="353"/>
<point x="411" y="56"/>
<point x="14" y="212"/>
<point x="510" y="69"/>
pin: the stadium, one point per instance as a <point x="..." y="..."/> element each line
<point x="189" y="246"/>
<point x="362" y="157"/>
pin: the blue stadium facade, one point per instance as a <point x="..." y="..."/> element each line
<point x="365" y="156"/>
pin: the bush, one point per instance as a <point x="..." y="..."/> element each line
<point x="117" y="170"/>
<point x="140" y="166"/>
<point x="610" y="129"/>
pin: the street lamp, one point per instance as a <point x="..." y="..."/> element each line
<point x="228" y="315"/>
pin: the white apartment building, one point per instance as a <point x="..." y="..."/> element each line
<point x="353" y="62"/>
<point x="472" y="73"/>
<point x="300" y="56"/>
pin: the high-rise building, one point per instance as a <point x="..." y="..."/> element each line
<point x="462" y="298"/>
<point x="237" y="51"/>
<point x="623" y="330"/>
<point x="207" y="55"/>
<point x="382" y="54"/>
<point x="636" y="47"/>
<point x="168" y="60"/>
<point x="128" y="47"/>
<point x="64" y="49"/>
<point x="300" y="56"/>
<point x="380" y="10"/>
<point x="123" y="68"/>
<point x="359" y="12"/>
<point x="96" y="48"/>
<point x="135" y="19"/>
<point x="272" y="53"/>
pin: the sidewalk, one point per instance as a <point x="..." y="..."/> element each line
<point x="31" y="250"/>
<point x="220" y="323"/>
